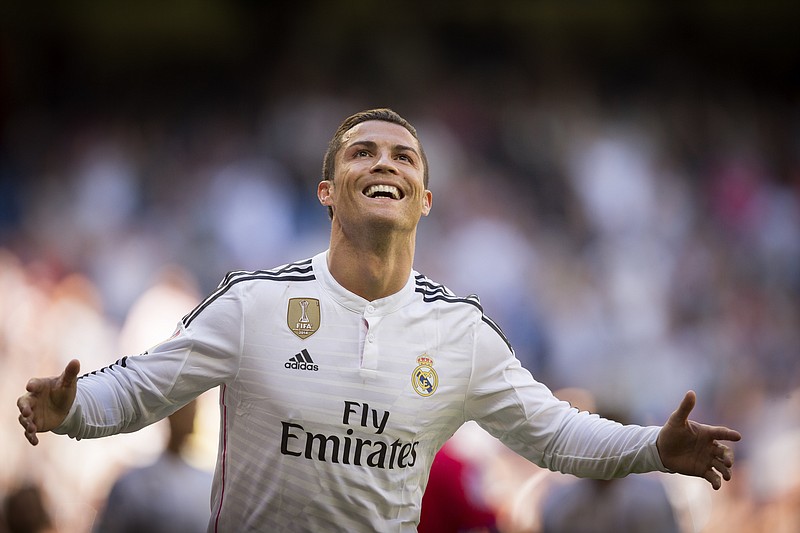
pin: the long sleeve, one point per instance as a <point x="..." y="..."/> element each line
<point x="139" y="390"/>
<point x="524" y="414"/>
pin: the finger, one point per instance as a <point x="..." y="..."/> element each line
<point x="722" y="469"/>
<point x="681" y="414"/>
<point x="723" y="433"/>
<point x="24" y="405"/>
<point x="727" y="457"/>
<point x="32" y="438"/>
<point x="34" y="385"/>
<point x="30" y="429"/>
<point x="712" y="477"/>
<point x="718" y="450"/>
<point x="27" y="423"/>
<point x="723" y="454"/>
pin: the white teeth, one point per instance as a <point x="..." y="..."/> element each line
<point x="373" y="190"/>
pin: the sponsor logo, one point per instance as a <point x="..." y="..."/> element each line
<point x="302" y="316"/>
<point x="345" y="447"/>
<point x="301" y="361"/>
<point x="424" y="378"/>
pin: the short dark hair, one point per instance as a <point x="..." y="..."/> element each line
<point x="385" y="114"/>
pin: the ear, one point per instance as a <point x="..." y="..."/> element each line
<point x="324" y="192"/>
<point x="427" y="200"/>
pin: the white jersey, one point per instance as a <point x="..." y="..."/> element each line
<point x="333" y="407"/>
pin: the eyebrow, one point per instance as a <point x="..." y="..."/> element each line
<point x="373" y="145"/>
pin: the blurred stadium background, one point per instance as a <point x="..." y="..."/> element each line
<point x="629" y="172"/>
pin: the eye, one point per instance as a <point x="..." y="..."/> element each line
<point x="361" y="153"/>
<point x="406" y="158"/>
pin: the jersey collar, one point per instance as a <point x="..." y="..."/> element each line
<point x="354" y="302"/>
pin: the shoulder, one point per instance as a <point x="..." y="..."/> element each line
<point x="300" y="271"/>
<point x="434" y="292"/>
<point x="469" y="306"/>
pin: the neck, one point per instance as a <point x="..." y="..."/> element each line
<point x="372" y="268"/>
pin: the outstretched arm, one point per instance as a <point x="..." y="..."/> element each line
<point x="48" y="401"/>
<point x="694" y="449"/>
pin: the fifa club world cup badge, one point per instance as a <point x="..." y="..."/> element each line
<point x="302" y="317"/>
<point x="424" y="378"/>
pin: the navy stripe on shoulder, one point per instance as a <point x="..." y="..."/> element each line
<point x="301" y="267"/>
<point x="300" y="271"/>
<point x="431" y="286"/>
<point x="432" y="292"/>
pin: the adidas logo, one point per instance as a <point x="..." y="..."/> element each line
<point x="302" y="361"/>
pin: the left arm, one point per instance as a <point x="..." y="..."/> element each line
<point x="524" y="414"/>
<point x="509" y="403"/>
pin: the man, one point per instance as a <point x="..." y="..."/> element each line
<point x="168" y="496"/>
<point x="341" y="376"/>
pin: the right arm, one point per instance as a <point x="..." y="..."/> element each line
<point x="139" y="390"/>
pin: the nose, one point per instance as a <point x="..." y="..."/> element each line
<point x="384" y="163"/>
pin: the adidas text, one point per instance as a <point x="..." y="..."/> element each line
<point x="301" y="366"/>
<point x="302" y="361"/>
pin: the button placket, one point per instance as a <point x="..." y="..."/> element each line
<point x="369" y="361"/>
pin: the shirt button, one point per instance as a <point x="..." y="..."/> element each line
<point x="371" y="337"/>
<point x="370" y="309"/>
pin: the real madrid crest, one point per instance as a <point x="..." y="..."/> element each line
<point x="302" y="317"/>
<point x="424" y="377"/>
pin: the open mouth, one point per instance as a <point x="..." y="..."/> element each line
<point x="383" y="191"/>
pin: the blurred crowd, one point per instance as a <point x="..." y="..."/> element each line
<point x="631" y="247"/>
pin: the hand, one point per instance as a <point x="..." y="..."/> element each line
<point x="48" y="401"/>
<point x="690" y="448"/>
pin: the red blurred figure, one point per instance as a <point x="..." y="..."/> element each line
<point x="452" y="500"/>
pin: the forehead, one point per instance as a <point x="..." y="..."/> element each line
<point x="379" y="131"/>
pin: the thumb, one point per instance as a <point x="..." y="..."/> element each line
<point x="70" y="374"/>
<point x="681" y="415"/>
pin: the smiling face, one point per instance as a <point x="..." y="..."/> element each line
<point x="379" y="178"/>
